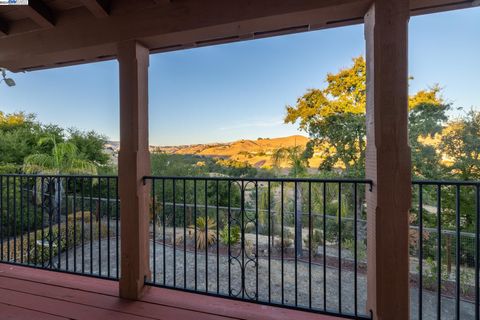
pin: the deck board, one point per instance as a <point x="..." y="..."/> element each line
<point x="27" y="293"/>
<point x="9" y="312"/>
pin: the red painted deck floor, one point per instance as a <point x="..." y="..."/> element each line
<point x="27" y="293"/>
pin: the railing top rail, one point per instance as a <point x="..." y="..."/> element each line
<point x="286" y="179"/>
<point x="83" y="176"/>
<point x="247" y="179"/>
<point x="446" y="182"/>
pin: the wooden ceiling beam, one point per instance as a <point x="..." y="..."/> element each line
<point x="39" y="13"/>
<point x="3" y="28"/>
<point x="99" y="8"/>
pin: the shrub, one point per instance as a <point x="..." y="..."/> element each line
<point x="43" y="252"/>
<point x="234" y="235"/>
<point x="430" y="274"/>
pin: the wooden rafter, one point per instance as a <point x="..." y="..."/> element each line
<point x="99" y="8"/>
<point x="39" y="13"/>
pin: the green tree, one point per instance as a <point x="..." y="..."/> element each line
<point x="460" y="143"/>
<point x="296" y="157"/>
<point x="334" y="118"/>
<point x="89" y="145"/>
<point x="426" y="118"/>
<point x="19" y="135"/>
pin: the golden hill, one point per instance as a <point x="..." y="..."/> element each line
<point x="257" y="153"/>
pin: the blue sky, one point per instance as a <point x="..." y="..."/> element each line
<point x="240" y="90"/>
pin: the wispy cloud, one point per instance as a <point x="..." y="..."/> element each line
<point x="254" y="124"/>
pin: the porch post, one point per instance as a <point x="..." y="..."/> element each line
<point x="133" y="165"/>
<point x="388" y="162"/>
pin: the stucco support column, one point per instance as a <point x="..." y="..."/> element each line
<point x="388" y="161"/>
<point x="133" y="165"/>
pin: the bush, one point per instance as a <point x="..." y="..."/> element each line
<point x="43" y="252"/>
<point x="234" y="235"/>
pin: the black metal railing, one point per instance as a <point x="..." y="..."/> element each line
<point x="59" y="222"/>
<point x="445" y="250"/>
<point x="298" y="243"/>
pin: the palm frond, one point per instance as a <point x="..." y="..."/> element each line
<point x="79" y="166"/>
<point x="66" y="150"/>
<point x="39" y="162"/>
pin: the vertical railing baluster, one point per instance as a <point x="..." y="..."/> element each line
<point x="184" y="234"/>
<point x="477" y="254"/>
<point x="324" y="207"/>
<point x="91" y="225"/>
<point x="256" y="241"/>
<point x="66" y="223"/>
<point x="206" y="234"/>
<point x="439" y="251"/>
<point x="29" y="230"/>
<point x="7" y="224"/>
<point x="229" y="222"/>
<point x="117" y="235"/>
<point x="174" y="218"/>
<point x="108" y="228"/>
<point x="295" y="219"/>
<point x="218" y="233"/>
<point x="242" y="229"/>
<point x="355" y="250"/>
<point x="164" y="214"/>
<point x="14" y="219"/>
<point x="420" y="252"/>
<point x="51" y="199"/>
<point x="74" y="224"/>
<point x="457" y="252"/>
<point x="43" y="221"/>
<point x="154" y="227"/>
<point x="82" y="196"/>
<point x="99" y="218"/>
<point x="22" y="227"/>
<point x="35" y="213"/>
<point x="195" y="230"/>
<point x="340" y="247"/>
<point x="310" y="234"/>
<point x="269" y="245"/>
<point x="282" y="241"/>
<point x="59" y="230"/>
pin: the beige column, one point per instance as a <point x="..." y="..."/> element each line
<point x="133" y="165"/>
<point x="388" y="161"/>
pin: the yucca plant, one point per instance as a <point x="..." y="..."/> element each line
<point x="206" y="232"/>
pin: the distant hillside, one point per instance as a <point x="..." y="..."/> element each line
<point x="257" y="153"/>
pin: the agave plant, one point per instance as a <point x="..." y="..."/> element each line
<point x="206" y="232"/>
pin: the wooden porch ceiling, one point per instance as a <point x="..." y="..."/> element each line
<point x="52" y="33"/>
